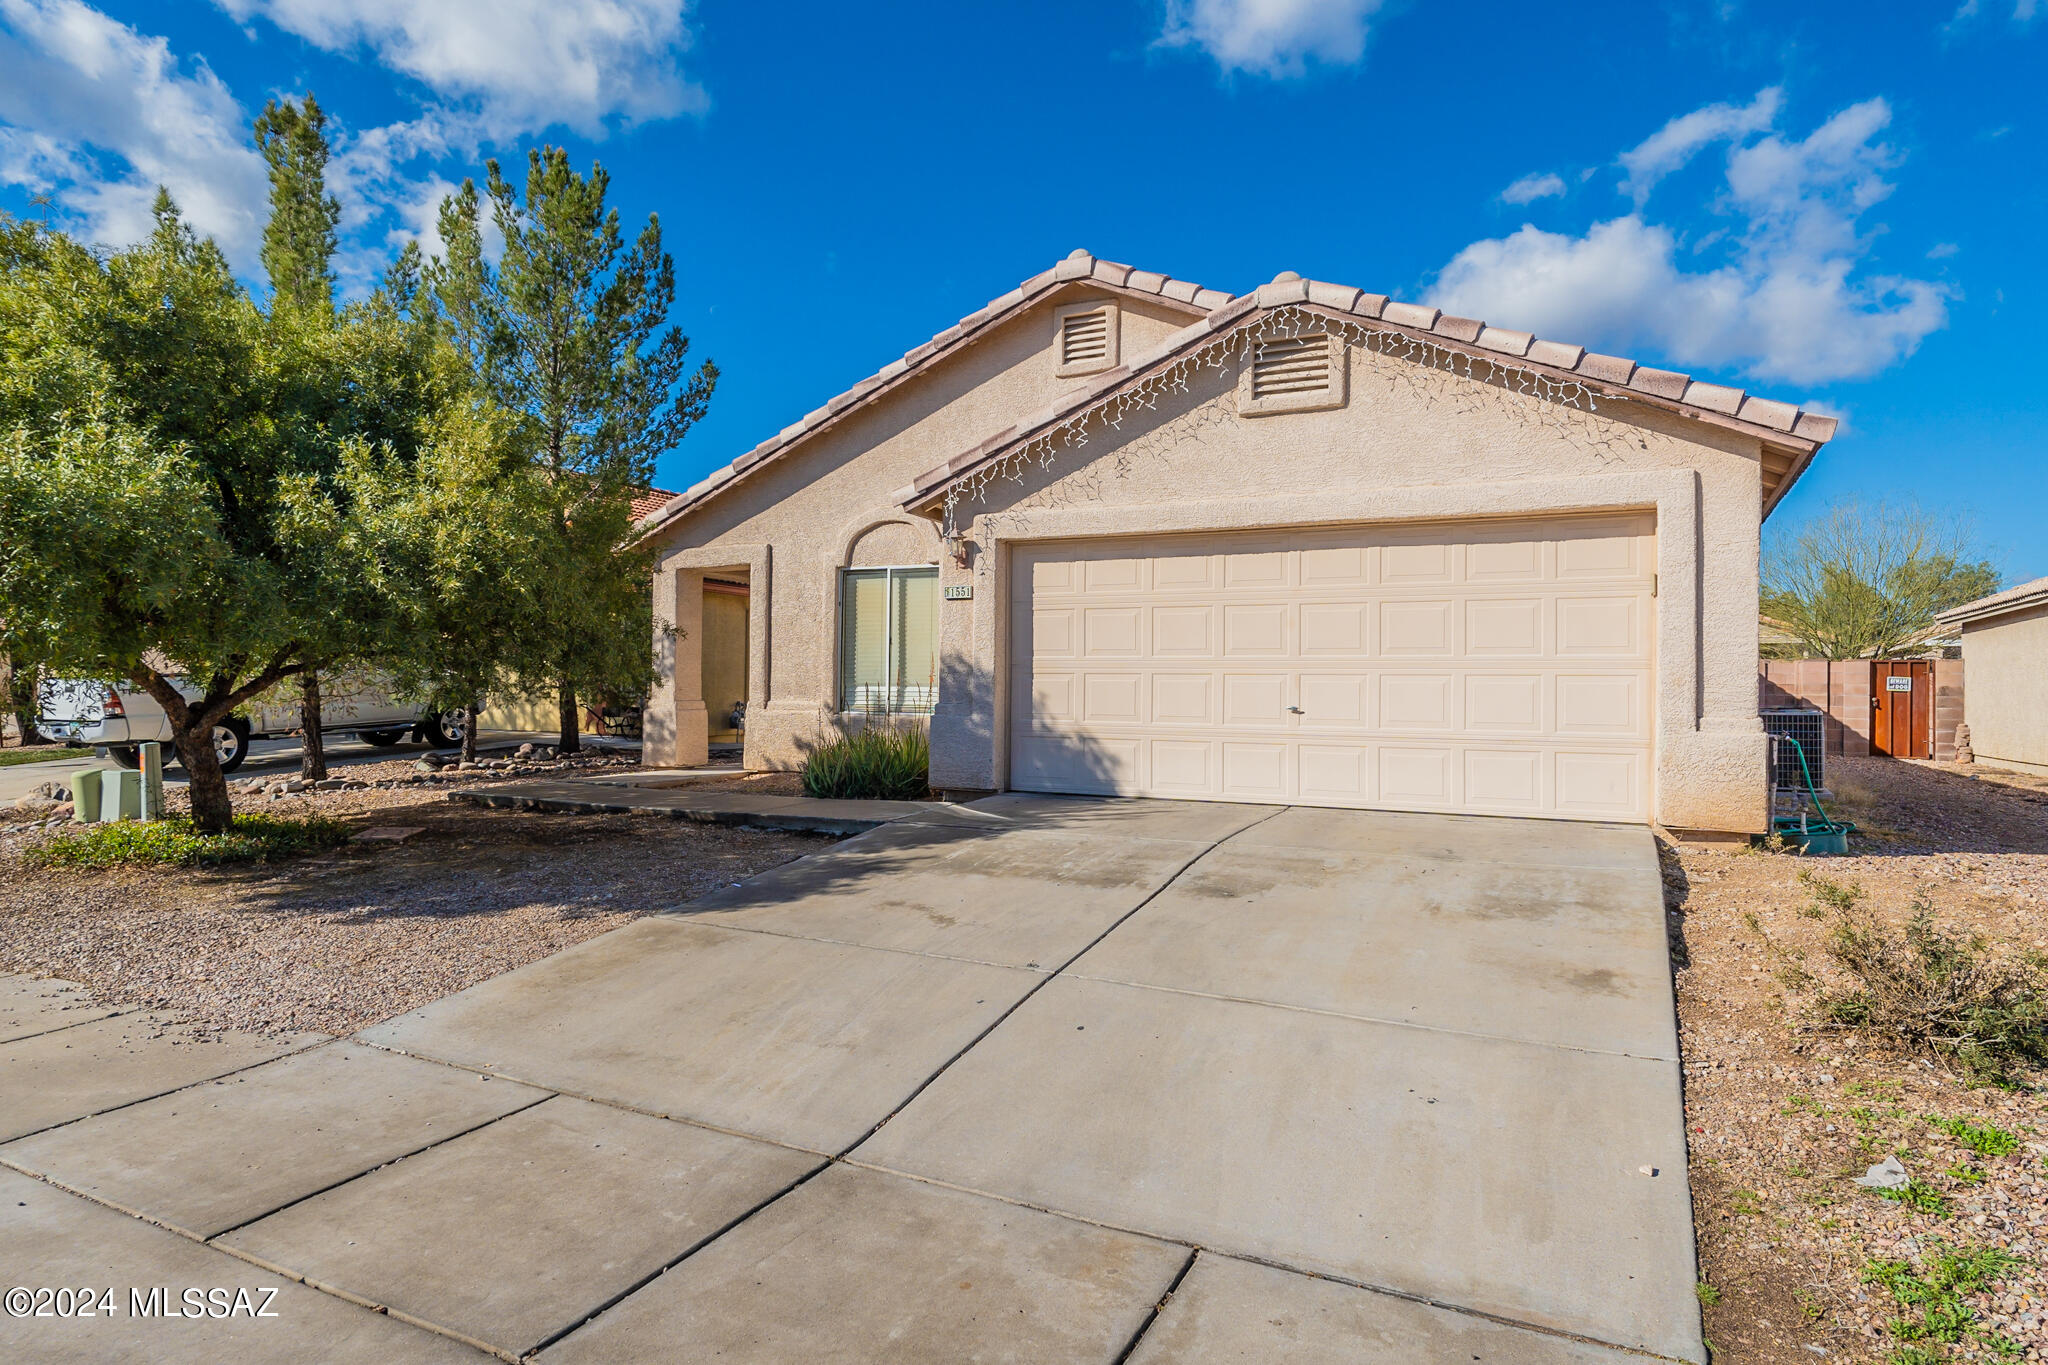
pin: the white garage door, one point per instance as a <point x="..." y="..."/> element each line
<point x="1485" y="667"/>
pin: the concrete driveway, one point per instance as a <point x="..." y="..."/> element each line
<point x="1034" y="1080"/>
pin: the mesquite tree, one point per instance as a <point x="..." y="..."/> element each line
<point x="569" y="331"/>
<point x="155" y="503"/>
<point x="1866" y="581"/>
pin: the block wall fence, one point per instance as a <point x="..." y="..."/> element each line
<point x="1841" y="689"/>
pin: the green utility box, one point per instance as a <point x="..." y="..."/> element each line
<point x="126" y="787"/>
<point x="85" y="796"/>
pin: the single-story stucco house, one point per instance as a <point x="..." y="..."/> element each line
<point x="1118" y="533"/>
<point x="2005" y="647"/>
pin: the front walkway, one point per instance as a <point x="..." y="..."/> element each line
<point x="1033" y="1080"/>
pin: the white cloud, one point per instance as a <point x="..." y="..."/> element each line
<point x="2023" y="11"/>
<point x="1532" y="187"/>
<point x="97" y="115"/>
<point x="1941" y="251"/>
<point x="1678" y="141"/>
<point x="516" y="66"/>
<point x="1275" y="38"/>
<point x="1789" y="299"/>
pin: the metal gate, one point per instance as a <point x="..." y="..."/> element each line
<point x="1902" y="708"/>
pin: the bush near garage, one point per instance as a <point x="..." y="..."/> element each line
<point x="875" y="763"/>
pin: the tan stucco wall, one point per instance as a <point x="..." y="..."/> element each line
<point x="2006" y="704"/>
<point x="828" y="504"/>
<point x="1410" y="445"/>
<point x="725" y="658"/>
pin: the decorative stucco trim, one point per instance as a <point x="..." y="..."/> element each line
<point x="849" y="536"/>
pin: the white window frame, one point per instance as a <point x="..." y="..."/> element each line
<point x="892" y="687"/>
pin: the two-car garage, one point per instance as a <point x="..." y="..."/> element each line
<point x="1492" y="667"/>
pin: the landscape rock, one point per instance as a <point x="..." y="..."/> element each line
<point x="1888" y="1174"/>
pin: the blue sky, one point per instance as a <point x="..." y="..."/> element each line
<point x="1841" y="204"/>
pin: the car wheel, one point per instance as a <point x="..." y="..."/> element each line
<point x="380" y="739"/>
<point x="125" y="756"/>
<point x="230" y="745"/>
<point x="443" y="731"/>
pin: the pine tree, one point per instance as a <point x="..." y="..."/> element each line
<point x="298" y="254"/>
<point x="570" y="331"/>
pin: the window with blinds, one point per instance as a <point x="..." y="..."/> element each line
<point x="889" y="640"/>
<point x="1085" y="340"/>
<point x="1293" y="374"/>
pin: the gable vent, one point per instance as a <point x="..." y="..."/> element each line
<point x="1289" y="365"/>
<point x="1084" y="339"/>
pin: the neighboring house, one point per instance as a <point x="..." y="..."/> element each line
<point x="2005" y="646"/>
<point x="1119" y="533"/>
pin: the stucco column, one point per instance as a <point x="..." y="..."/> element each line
<point x="692" y="743"/>
<point x="658" y="718"/>
<point x="963" y="726"/>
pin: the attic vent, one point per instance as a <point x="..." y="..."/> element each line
<point x="1085" y="340"/>
<point x="1084" y="337"/>
<point x="1293" y="374"/>
<point x="1292" y="365"/>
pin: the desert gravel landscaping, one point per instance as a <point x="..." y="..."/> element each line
<point x="344" y="939"/>
<point x="1798" y="1262"/>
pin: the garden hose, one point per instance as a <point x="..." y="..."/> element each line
<point x="1799" y="824"/>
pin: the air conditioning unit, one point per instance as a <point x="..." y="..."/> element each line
<point x="1796" y="732"/>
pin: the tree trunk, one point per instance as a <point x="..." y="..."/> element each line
<point x="19" y="687"/>
<point x="469" y="733"/>
<point x="313" y="747"/>
<point x="212" y="812"/>
<point x="570" y="718"/>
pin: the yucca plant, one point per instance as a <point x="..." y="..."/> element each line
<point x="879" y="762"/>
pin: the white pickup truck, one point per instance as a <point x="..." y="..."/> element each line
<point x="116" y="719"/>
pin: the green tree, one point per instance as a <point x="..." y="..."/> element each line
<point x="155" y="502"/>
<point x="569" y="330"/>
<point x="298" y="240"/>
<point x="1863" y="581"/>
<point x="467" y="535"/>
<point x="298" y="255"/>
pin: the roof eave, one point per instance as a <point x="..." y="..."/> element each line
<point x="931" y="487"/>
<point x="1078" y="270"/>
<point x="2026" y="597"/>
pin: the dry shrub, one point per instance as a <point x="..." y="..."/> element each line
<point x="1926" y="988"/>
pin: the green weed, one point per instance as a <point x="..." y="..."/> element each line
<point x="1919" y="1196"/>
<point x="1933" y="1302"/>
<point x="1985" y="1139"/>
<point x="175" y="843"/>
